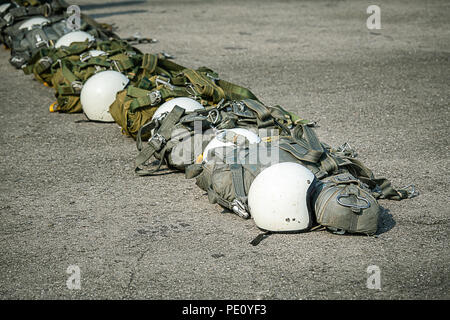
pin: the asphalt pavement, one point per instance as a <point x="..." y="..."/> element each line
<point x="69" y="198"/>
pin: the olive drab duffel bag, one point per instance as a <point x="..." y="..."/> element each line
<point x="66" y="69"/>
<point x="349" y="207"/>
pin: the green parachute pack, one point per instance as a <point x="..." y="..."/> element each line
<point x="66" y="69"/>
<point x="25" y="42"/>
<point x="163" y="80"/>
<point x="168" y="136"/>
<point x="344" y="198"/>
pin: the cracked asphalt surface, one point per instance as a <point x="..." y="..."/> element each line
<point x="69" y="196"/>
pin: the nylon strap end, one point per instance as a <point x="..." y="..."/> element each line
<point x="260" y="238"/>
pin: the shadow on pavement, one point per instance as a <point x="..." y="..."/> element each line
<point x="93" y="6"/>
<point x="108" y="14"/>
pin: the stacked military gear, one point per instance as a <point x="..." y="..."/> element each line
<point x="344" y="199"/>
<point x="14" y="13"/>
<point x="177" y="126"/>
<point x="45" y="24"/>
<point x="164" y="80"/>
<point x="68" y="68"/>
<point x="255" y="160"/>
<point x="79" y="56"/>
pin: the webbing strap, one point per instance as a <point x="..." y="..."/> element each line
<point x="67" y="73"/>
<point x="382" y="189"/>
<point x="122" y="62"/>
<point x="235" y="92"/>
<point x="301" y="153"/>
<point x="237" y="176"/>
<point x="75" y="48"/>
<point x="157" y="142"/>
<point x="43" y="64"/>
<point x="95" y="61"/>
<point x="261" y="110"/>
<point x="149" y="63"/>
<point x="310" y="136"/>
<point x="327" y="162"/>
<point x="204" y="86"/>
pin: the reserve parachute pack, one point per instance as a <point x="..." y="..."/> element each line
<point x="343" y="203"/>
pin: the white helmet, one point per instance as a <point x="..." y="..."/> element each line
<point x="74" y="36"/>
<point x="99" y="92"/>
<point x="224" y="139"/>
<point x="186" y="103"/>
<point x="279" y="197"/>
<point x="36" y="21"/>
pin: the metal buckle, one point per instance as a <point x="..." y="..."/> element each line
<point x="8" y="18"/>
<point x="213" y="116"/>
<point x="155" y="97"/>
<point x="212" y="77"/>
<point x="167" y="56"/>
<point x="158" y="137"/>
<point x="85" y="56"/>
<point x="239" y="105"/>
<point x="413" y="193"/>
<point x="191" y="90"/>
<point x="353" y="206"/>
<point x="47" y="61"/>
<point x="346" y="147"/>
<point x="239" y="209"/>
<point x="116" y="65"/>
<point x="47" y="10"/>
<point x="77" y="85"/>
<point x="164" y="82"/>
<point x="98" y="68"/>
<point x="40" y="42"/>
<point x="16" y="59"/>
